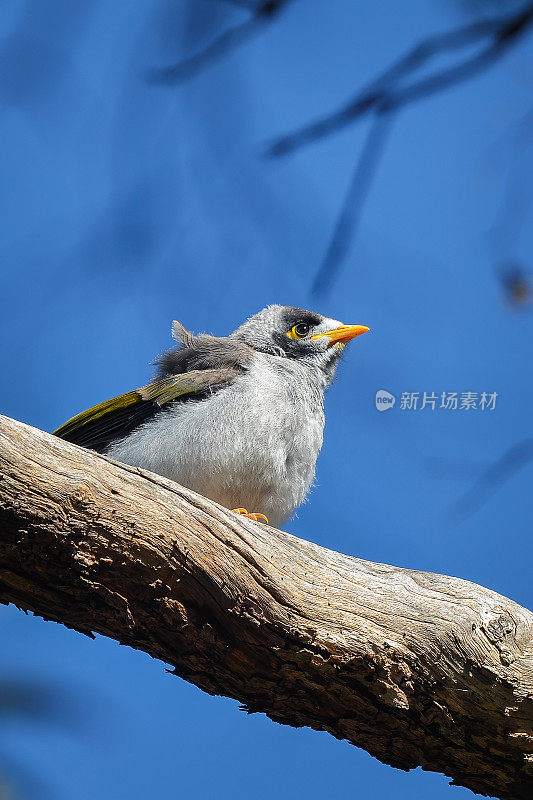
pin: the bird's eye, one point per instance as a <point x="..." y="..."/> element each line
<point x="299" y="331"/>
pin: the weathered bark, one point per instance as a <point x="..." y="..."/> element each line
<point x="417" y="668"/>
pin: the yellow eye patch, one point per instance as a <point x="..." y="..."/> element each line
<point x="299" y="331"/>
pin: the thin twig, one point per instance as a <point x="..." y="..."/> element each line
<point x="225" y="43"/>
<point x="354" y="201"/>
<point x="383" y="89"/>
<point x="514" y="208"/>
<point x="386" y="93"/>
<point x="494" y="477"/>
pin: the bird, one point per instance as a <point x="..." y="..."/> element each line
<point x="238" y="419"/>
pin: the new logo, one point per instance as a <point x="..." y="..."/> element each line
<point x="384" y="400"/>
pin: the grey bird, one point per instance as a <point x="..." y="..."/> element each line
<point x="237" y="419"/>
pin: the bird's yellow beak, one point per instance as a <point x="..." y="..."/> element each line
<point x="342" y="334"/>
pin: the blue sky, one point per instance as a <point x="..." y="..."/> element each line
<point x="126" y="205"/>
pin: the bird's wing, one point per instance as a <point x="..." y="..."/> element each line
<point x="113" y="419"/>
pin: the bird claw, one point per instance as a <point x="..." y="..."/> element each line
<point x="256" y="517"/>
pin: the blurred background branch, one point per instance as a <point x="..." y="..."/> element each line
<point x="31" y="702"/>
<point x="386" y="94"/>
<point x="492" y="479"/>
<point x="515" y="208"/>
<point x="261" y="14"/>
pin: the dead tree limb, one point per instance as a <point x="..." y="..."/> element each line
<point x="416" y="668"/>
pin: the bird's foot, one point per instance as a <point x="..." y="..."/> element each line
<point x="256" y="517"/>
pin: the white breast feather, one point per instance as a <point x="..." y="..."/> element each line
<point x="253" y="444"/>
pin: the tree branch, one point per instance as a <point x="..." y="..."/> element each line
<point x="417" y="668"/>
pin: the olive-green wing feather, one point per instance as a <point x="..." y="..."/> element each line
<point x="114" y="419"/>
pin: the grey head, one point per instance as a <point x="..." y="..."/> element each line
<point x="313" y="340"/>
<point x="284" y="332"/>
